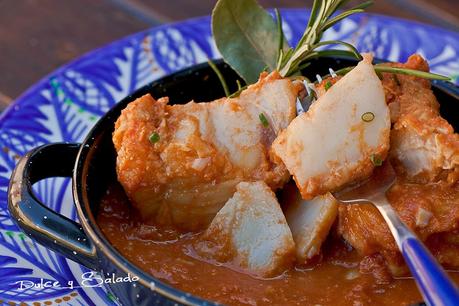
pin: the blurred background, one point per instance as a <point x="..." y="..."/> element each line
<point x="37" y="36"/>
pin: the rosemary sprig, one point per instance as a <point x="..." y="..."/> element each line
<point x="251" y="41"/>
<point x="380" y="68"/>
<point x="319" y="21"/>
<point x="416" y="73"/>
<point x="280" y="33"/>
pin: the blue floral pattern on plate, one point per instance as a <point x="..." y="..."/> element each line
<point x="65" y="105"/>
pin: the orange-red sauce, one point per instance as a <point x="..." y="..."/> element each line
<point x="333" y="281"/>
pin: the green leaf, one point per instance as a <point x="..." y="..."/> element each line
<point x="363" y="5"/>
<point x="351" y="48"/>
<point x="313" y="14"/>
<point x="344" y="71"/>
<point x="295" y="59"/>
<point x="246" y="36"/>
<point x="336" y="53"/>
<point x="220" y="77"/>
<point x="396" y="70"/>
<point x="340" y="17"/>
<point x="341" y="4"/>
<point x="280" y="34"/>
<point x="416" y="73"/>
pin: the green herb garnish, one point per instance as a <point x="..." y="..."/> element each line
<point x="247" y="37"/>
<point x="280" y="34"/>
<point x="413" y="72"/>
<point x="239" y="85"/>
<point x="420" y="74"/>
<point x="368" y="116"/>
<point x="263" y="120"/>
<point x="154" y="137"/>
<point x="376" y="160"/>
<point x="251" y="41"/>
<point x="327" y="85"/>
<point x="220" y="77"/>
<point x="320" y="19"/>
<point x="238" y="92"/>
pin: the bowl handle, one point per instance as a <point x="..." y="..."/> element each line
<point x="44" y="225"/>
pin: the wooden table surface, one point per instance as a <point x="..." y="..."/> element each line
<point x="37" y="36"/>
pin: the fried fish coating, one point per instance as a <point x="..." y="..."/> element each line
<point x="424" y="146"/>
<point x="334" y="143"/>
<point x="201" y="151"/>
<point x="250" y="232"/>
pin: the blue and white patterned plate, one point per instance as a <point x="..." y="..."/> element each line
<point x="65" y="105"/>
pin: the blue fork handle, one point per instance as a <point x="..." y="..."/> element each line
<point x="435" y="285"/>
<point x="433" y="282"/>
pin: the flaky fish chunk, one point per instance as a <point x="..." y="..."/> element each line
<point x="337" y="140"/>
<point x="200" y="151"/>
<point x="431" y="211"/>
<point x="310" y="222"/>
<point x="250" y="233"/>
<point x="424" y="146"/>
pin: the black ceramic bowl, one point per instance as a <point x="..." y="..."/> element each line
<point x="92" y="168"/>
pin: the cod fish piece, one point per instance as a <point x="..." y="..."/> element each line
<point x="338" y="140"/>
<point x="200" y="151"/>
<point x="424" y="146"/>
<point x="310" y="222"/>
<point x="250" y="233"/>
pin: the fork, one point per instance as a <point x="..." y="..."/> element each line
<point x="433" y="282"/>
<point x="435" y="285"/>
<point x="303" y="102"/>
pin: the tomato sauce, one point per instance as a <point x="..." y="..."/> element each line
<point x="337" y="279"/>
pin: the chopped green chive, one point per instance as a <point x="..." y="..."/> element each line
<point x="327" y="86"/>
<point x="368" y="116"/>
<point x="376" y="160"/>
<point x="154" y="138"/>
<point x="263" y="120"/>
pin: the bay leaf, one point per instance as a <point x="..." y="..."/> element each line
<point x="247" y="37"/>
